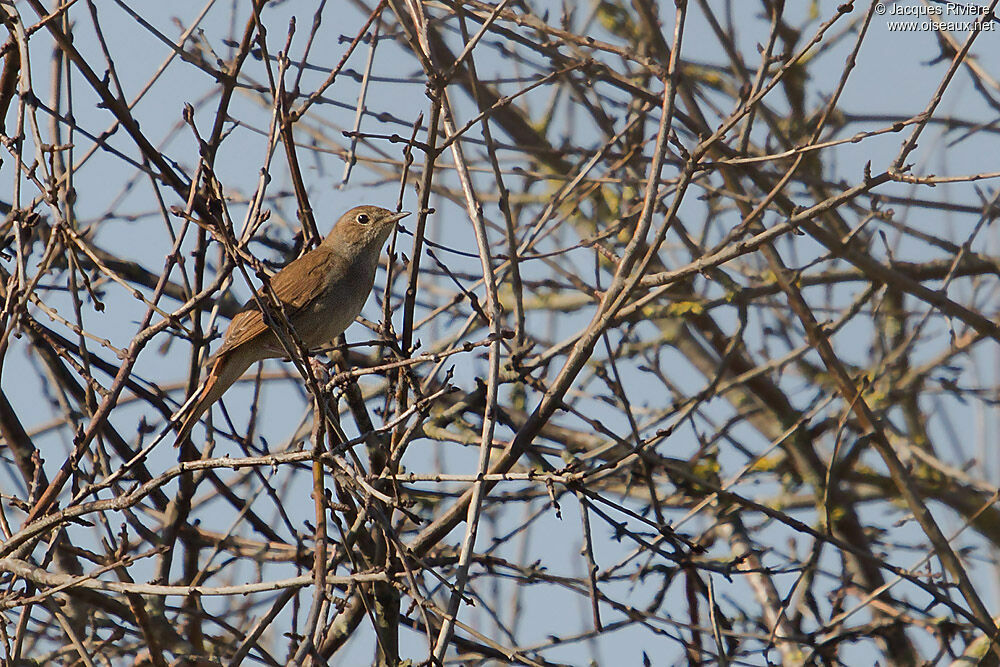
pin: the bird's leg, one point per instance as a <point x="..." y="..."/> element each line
<point x="320" y="370"/>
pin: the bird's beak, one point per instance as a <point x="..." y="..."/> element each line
<point x="396" y="217"/>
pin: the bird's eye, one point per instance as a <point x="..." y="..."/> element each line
<point x="363" y="219"/>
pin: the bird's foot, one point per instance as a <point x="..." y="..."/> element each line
<point x="319" y="370"/>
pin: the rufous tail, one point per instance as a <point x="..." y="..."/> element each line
<point x="226" y="370"/>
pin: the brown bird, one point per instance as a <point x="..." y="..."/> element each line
<point x="321" y="293"/>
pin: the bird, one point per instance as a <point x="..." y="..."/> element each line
<point x="321" y="292"/>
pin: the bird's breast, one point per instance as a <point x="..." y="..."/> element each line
<point x="338" y="305"/>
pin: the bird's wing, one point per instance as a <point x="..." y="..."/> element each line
<point x="296" y="286"/>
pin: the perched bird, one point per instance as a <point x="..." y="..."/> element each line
<point x="321" y="293"/>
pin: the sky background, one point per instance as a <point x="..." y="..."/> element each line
<point x="895" y="76"/>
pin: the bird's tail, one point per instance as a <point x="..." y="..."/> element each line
<point x="226" y="370"/>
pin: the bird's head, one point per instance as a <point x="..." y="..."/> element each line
<point x="364" y="227"/>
